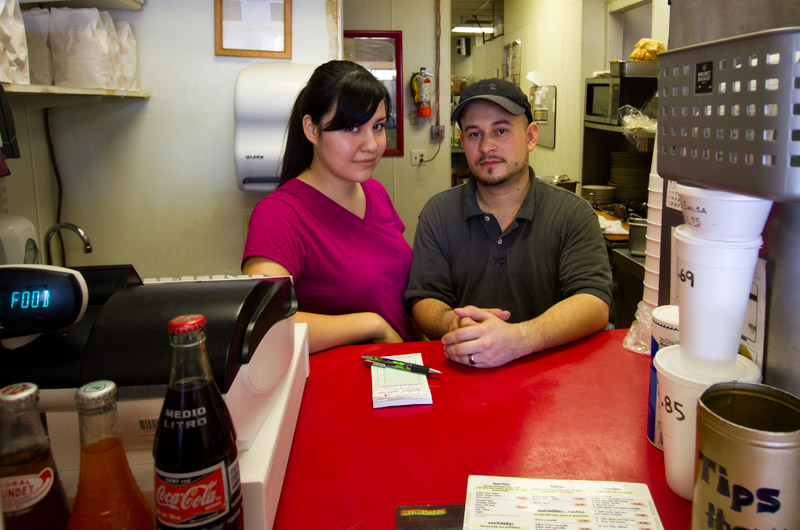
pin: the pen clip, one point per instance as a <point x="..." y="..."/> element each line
<point x="375" y="363"/>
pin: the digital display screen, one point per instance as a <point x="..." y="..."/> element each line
<point x="30" y="299"/>
<point x="36" y="300"/>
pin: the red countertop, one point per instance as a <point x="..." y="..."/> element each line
<point x="574" y="412"/>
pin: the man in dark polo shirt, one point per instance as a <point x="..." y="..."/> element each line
<point x="505" y="265"/>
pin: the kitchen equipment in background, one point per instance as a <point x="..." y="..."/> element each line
<point x="630" y="175"/>
<point x="87" y="245"/>
<point x="637" y="229"/>
<point x="629" y="83"/>
<point x="258" y="356"/>
<point x="18" y="240"/>
<point x="263" y="98"/>
<point x="598" y="194"/>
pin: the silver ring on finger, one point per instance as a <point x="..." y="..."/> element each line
<point x="471" y="358"/>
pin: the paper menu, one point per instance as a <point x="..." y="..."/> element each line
<point x="543" y="504"/>
<point x="394" y="388"/>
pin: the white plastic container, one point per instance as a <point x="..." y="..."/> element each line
<point x="664" y="333"/>
<point x="721" y="215"/>
<point x="678" y="391"/>
<point x="713" y="279"/>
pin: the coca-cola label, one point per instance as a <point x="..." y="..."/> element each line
<point x="23" y="491"/>
<point x="185" y="500"/>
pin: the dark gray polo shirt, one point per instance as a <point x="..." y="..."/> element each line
<point x="551" y="251"/>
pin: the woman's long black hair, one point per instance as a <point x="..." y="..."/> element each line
<point x="344" y="85"/>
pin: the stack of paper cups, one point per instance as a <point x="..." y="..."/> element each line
<point x="652" y="249"/>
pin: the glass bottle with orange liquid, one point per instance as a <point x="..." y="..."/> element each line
<point x="108" y="496"/>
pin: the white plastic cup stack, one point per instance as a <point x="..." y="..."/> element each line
<point x="716" y="251"/>
<point x="652" y="251"/>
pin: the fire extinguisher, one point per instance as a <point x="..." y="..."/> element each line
<point x="421" y="87"/>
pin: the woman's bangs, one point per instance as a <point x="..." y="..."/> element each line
<point x="357" y="102"/>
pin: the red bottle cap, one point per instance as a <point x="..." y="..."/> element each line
<point x="19" y="392"/>
<point x="186" y="324"/>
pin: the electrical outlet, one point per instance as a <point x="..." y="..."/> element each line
<point x="417" y="157"/>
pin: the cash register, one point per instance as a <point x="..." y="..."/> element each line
<point x="62" y="327"/>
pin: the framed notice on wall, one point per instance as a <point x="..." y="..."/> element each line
<point x="543" y="107"/>
<point x="253" y="28"/>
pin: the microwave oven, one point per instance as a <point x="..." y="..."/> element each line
<point x="606" y="95"/>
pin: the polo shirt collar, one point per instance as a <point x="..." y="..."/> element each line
<point x="472" y="209"/>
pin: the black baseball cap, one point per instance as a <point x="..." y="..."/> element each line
<point x="500" y="92"/>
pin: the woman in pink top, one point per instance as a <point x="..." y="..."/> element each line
<point x="329" y="224"/>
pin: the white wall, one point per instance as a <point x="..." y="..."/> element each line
<point x="411" y="186"/>
<point x="152" y="181"/>
<point x="551" y="35"/>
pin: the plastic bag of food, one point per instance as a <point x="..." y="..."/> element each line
<point x="640" y="334"/>
<point x="635" y="124"/>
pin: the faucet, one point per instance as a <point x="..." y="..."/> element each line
<point x="87" y="245"/>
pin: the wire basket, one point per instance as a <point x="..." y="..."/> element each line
<point x="729" y="114"/>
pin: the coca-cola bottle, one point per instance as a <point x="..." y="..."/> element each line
<point x="108" y="496"/>
<point x="30" y="488"/>
<point x="197" y="481"/>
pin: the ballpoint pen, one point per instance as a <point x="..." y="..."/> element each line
<point x="399" y="365"/>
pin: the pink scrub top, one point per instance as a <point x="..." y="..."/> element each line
<point x="340" y="263"/>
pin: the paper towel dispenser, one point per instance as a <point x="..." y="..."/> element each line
<point x="262" y="102"/>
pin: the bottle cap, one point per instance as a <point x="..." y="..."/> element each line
<point x="186" y="324"/>
<point x="19" y="393"/>
<point x="96" y="394"/>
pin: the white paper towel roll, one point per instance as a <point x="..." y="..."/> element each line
<point x="262" y="101"/>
